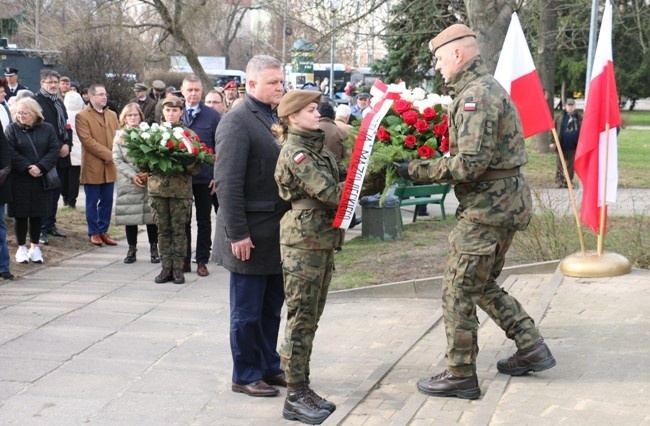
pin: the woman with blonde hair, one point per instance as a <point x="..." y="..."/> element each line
<point x="34" y="151"/>
<point x="132" y="201"/>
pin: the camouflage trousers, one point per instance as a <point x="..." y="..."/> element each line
<point x="307" y="276"/>
<point x="171" y="215"/>
<point x="474" y="263"/>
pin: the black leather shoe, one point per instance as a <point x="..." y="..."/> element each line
<point x="55" y="232"/>
<point x="444" y="384"/>
<point x="277" y="380"/>
<point x="354" y="222"/>
<point x="258" y="388"/>
<point x="7" y="275"/>
<point x="535" y="358"/>
<point x="43" y="239"/>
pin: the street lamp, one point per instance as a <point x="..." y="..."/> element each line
<point x="334" y="7"/>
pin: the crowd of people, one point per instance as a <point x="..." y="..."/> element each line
<point x="275" y="187"/>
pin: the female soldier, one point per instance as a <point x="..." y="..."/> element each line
<point x="170" y="197"/>
<point x="309" y="177"/>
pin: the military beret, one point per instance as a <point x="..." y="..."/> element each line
<point x="159" y="85"/>
<point x="173" y="101"/>
<point x="451" y="33"/>
<point x="137" y="87"/>
<point x="295" y="100"/>
<point x="230" y="85"/>
<point x="10" y="71"/>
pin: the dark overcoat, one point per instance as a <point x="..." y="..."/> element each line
<point x="29" y="198"/>
<point x="5" y="160"/>
<point x="249" y="202"/>
<point x="51" y="116"/>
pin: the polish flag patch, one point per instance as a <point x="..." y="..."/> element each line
<point x="470" y="106"/>
<point x="298" y="158"/>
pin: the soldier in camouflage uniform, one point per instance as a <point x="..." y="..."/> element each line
<point x="487" y="149"/>
<point x="170" y="198"/>
<point x="309" y="177"/>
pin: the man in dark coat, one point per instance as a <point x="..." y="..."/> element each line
<point x="11" y="74"/>
<point x="147" y="103"/>
<point x="203" y="121"/>
<point x="54" y="112"/>
<point x="247" y="240"/>
<point x="5" y="197"/>
<point x="567" y="127"/>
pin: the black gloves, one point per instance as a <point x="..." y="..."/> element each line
<point x="186" y="160"/>
<point x="402" y="169"/>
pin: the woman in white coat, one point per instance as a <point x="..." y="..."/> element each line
<point x="73" y="104"/>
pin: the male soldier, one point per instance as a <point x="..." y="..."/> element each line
<point x="567" y="126"/>
<point x="146" y="103"/>
<point x="12" y="82"/>
<point x="158" y="93"/>
<point x="230" y="90"/>
<point x="487" y="150"/>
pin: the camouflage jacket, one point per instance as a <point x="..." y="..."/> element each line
<point x="173" y="185"/>
<point x="307" y="171"/>
<point x="485" y="133"/>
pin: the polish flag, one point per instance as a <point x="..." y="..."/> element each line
<point x="596" y="158"/>
<point x="517" y="74"/>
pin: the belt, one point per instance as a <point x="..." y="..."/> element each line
<point x="494" y="174"/>
<point x="309" y="204"/>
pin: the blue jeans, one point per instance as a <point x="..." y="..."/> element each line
<point x="4" y="250"/>
<point x="99" y="206"/>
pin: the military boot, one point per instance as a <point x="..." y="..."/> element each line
<point x="535" y="358"/>
<point x="130" y="254"/>
<point x="164" y="276"/>
<point x="153" y="251"/>
<point x="299" y="405"/>
<point x="445" y="384"/>
<point x="179" y="278"/>
<point x="320" y="401"/>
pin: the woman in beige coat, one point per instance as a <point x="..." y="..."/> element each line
<point x="132" y="201"/>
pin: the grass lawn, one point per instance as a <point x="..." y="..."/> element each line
<point x="635" y="118"/>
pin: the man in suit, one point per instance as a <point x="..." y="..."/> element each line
<point x="203" y="121"/>
<point x="247" y="240"/>
<point x="96" y="126"/>
<point x="54" y="112"/>
<point x="11" y="74"/>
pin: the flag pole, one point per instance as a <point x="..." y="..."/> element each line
<point x="603" y="208"/>
<point x="572" y="198"/>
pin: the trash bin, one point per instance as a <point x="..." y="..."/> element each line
<point x="381" y="223"/>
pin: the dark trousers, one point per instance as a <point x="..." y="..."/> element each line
<point x="132" y="234"/>
<point x="99" y="206"/>
<point x="21" y="227"/>
<point x="72" y="186"/>
<point x="569" y="157"/>
<point x="255" y="305"/>
<point x="203" y="203"/>
<point x="49" y="222"/>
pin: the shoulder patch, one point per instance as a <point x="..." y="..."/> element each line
<point x="298" y="158"/>
<point x="470" y="106"/>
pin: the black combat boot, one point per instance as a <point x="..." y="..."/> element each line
<point x="299" y="405"/>
<point x="179" y="278"/>
<point x="445" y="384"/>
<point x="534" y="358"/>
<point x="130" y="255"/>
<point x="320" y="401"/>
<point x="155" y="257"/>
<point x="164" y="276"/>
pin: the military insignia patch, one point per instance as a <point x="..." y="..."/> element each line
<point x="299" y="157"/>
<point x="470" y="106"/>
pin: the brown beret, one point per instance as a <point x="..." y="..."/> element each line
<point x="451" y="33"/>
<point x="230" y="85"/>
<point x="295" y="100"/>
<point x="173" y="101"/>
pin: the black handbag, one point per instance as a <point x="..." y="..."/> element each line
<point x="51" y="178"/>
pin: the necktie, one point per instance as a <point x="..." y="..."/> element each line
<point x="190" y="114"/>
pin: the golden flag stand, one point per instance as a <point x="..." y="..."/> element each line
<point x="599" y="264"/>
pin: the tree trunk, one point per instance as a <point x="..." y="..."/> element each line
<point x="490" y="20"/>
<point x="545" y="63"/>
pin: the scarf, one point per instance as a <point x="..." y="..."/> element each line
<point x="60" y="113"/>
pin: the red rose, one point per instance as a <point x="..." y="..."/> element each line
<point x="410" y="141"/>
<point x="210" y="150"/>
<point x="170" y="144"/>
<point x="425" y="151"/>
<point x="187" y="133"/>
<point x="429" y="114"/>
<point x="444" y="144"/>
<point x="445" y="119"/>
<point x="68" y="126"/>
<point x="195" y="150"/>
<point x="382" y="134"/>
<point x="440" y="129"/>
<point x="421" y="126"/>
<point x="410" y="117"/>
<point x="401" y="106"/>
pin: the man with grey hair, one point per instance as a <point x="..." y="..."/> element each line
<point x="247" y="238"/>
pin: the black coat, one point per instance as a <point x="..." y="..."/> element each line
<point x="51" y="116"/>
<point x="249" y="202"/>
<point x="29" y="198"/>
<point x="5" y="160"/>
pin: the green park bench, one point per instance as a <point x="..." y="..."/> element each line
<point x="415" y="195"/>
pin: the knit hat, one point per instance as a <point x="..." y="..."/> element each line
<point x="295" y="100"/>
<point x="451" y="33"/>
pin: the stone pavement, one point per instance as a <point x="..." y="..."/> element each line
<point x="93" y="340"/>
